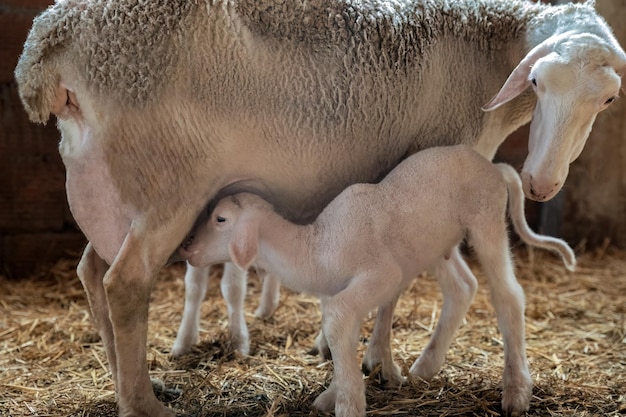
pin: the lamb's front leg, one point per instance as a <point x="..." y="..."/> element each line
<point x="340" y="325"/>
<point x="196" y="283"/>
<point x="379" y="349"/>
<point x="270" y="294"/>
<point x="342" y="315"/>
<point x="458" y="285"/>
<point x="233" y="287"/>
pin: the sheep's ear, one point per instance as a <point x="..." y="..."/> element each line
<point x="244" y="242"/>
<point x="518" y="80"/>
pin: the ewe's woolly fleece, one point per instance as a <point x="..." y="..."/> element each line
<point x="127" y="48"/>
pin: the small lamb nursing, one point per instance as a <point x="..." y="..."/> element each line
<point x="373" y="239"/>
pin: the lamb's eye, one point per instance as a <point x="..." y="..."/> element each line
<point x="534" y="81"/>
<point x="610" y="100"/>
<point x="220" y="219"/>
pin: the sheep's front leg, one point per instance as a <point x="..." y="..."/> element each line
<point x="379" y="349"/>
<point x="270" y="294"/>
<point x="196" y="284"/>
<point x="507" y="297"/>
<point x="458" y="285"/>
<point x="91" y="270"/>
<point x="233" y="287"/>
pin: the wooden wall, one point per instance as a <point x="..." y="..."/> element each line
<point x="595" y="199"/>
<point x="36" y="226"/>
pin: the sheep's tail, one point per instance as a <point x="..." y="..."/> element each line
<point x="516" y="212"/>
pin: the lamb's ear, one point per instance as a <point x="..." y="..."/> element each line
<point x="244" y="242"/>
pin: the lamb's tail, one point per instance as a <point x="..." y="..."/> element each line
<point x="516" y="212"/>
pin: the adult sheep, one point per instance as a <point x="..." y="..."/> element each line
<point x="166" y="106"/>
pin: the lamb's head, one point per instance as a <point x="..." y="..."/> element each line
<point x="231" y="233"/>
<point x="575" y="76"/>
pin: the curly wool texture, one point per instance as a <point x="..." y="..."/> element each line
<point x="125" y="49"/>
<point x="392" y="31"/>
<point x="128" y="49"/>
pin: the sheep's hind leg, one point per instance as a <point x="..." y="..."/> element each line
<point x="379" y="349"/>
<point x="91" y="271"/>
<point x="458" y="285"/>
<point x="196" y="283"/>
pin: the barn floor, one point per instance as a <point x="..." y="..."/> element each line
<point x="52" y="363"/>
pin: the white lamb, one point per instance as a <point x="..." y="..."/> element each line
<point x="373" y="239"/>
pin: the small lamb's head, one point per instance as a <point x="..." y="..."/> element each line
<point x="231" y="233"/>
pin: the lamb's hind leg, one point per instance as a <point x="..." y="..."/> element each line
<point x="458" y="285"/>
<point x="196" y="283"/>
<point x="507" y="297"/>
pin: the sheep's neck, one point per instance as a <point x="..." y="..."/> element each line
<point x="285" y="251"/>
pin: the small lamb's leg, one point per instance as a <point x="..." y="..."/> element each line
<point x="196" y="283"/>
<point x="340" y="324"/>
<point x="233" y="287"/>
<point x="379" y="349"/>
<point x="458" y="285"/>
<point x="342" y="315"/>
<point x="507" y="297"/>
<point x="270" y="294"/>
<point x="320" y="346"/>
<point x="91" y="271"/>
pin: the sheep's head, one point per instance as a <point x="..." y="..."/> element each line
<point x="575" y="76"/>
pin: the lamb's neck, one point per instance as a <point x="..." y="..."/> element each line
<point x="285" y="251"/>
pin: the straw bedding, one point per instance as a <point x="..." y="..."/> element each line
<point x="52" y="363"/>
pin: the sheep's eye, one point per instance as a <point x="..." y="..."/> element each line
<point x="610" y="100"/>
<point x="534" y="81"/>
<point x="220" y="219"/>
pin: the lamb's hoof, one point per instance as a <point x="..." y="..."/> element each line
<point x="516" y="401"/>
<point x="426" y="367"/>
<point x="386" y="377"/>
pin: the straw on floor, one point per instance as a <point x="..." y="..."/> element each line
<point x="53" y="364"/>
